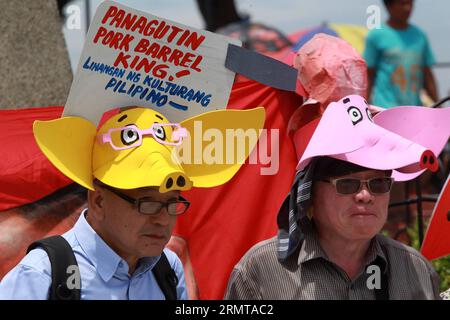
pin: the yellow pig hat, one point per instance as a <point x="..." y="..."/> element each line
<point x="113" y="154"/>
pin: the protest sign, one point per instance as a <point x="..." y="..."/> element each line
<point x="134" y="58"/>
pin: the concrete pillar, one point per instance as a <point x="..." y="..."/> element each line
<point x="34" y="63"/>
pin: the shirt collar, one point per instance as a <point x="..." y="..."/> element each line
<point x="376" y="252"/>
<point x="145" y="264"/>
<point x="311" y="249"/>
<point x="105" y="260"/>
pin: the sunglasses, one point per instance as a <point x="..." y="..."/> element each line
<point x="346" y="186"/>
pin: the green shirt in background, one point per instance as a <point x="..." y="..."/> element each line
<point x="399" y="57"/>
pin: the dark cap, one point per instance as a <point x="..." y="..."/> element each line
<point x="327" y="167"/>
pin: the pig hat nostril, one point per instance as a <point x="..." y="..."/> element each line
<point x="169" y="183"/>
<point x="181" y="181"/>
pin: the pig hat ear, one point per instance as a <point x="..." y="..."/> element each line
<point x="347" y="132"/>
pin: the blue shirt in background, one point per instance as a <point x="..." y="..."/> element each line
<point x="399" y="57"/>
<point x="104" y="274"/>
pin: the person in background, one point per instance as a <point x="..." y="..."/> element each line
<point x="222" y="16"/>
<point x="399" y="60"/>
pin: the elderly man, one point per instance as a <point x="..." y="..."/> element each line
<point x="328" y="246"/>
<point x="116" y="248"/>
<point x="117" y="241"/>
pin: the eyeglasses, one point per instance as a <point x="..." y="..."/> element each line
<point x="346" y="186"/>
<point x="131" y="136"/>
<point x="150" y="207"/>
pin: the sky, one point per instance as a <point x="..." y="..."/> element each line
<point x="292" y="15"/>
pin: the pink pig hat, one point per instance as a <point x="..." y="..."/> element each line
<point x="347" y="132"/>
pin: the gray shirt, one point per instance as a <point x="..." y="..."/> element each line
<point x="311" y="276"/>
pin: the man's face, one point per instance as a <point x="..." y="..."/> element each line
<point x="401" y="10"/>
<point x="356" y="216"/>
<point x="132" y="233"/>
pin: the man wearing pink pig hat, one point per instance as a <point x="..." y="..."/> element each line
<point x="328" y="244"/>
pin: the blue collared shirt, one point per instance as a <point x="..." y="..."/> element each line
<point x="104" y="274"/>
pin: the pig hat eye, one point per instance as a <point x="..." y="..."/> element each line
<point x="129" y="136"/>
<point x="160" y="132"/>
<point x="355" y="114"/>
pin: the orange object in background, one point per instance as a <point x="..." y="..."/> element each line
<point x="437" y="239"/>
<point x="26" y="175"/>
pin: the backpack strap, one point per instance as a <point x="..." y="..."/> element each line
<point x="61" y="257"/>
<point x="166" y="277"/>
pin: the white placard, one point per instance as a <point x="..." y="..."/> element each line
<point x="134" y="58"/>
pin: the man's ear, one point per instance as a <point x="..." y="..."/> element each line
<point x="96" y="203"/>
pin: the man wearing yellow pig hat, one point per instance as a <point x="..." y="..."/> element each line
<point x="134" y="178"/>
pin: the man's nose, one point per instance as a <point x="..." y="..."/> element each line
<point x="162" y="217"/>
<point x="364" y="195"/>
